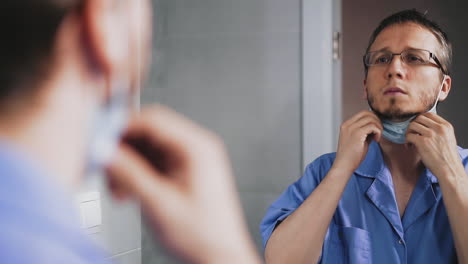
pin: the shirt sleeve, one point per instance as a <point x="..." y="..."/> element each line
<point x="294" y="196"/>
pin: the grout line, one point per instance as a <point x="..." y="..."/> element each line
<point x="126" y="252"/>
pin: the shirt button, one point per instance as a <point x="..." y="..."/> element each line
<point x="400" y="241"/>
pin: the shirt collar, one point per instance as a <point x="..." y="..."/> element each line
<point x="373" y="163"/>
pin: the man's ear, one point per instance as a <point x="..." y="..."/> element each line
<point x="104" y="34"/>
<point x="446" y="86"/>
<point x="365" y="89"/>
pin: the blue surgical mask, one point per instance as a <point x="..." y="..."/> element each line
<point x="109" y="123"/>
<point x="396" y="131"/>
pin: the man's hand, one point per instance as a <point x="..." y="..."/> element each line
<point x="180" y="174"/>
<point x="355" y="137"/>
<point x="434" y="139"/>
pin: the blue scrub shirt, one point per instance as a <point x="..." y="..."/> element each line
<point x="366" y="226"/>
<point x="38" y="222"/>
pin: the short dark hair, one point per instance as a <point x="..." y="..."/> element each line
<point x="414" y="16"/>
<point x="29" y="29"/>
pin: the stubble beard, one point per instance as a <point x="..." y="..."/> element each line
<point x="396" y="114"/>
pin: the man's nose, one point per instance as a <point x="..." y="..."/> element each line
<point x="396" y="68"/>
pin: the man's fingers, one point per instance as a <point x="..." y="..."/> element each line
<point x="413" y="139"/>
<point x="131" y="172"/>
<point x="426" y="121"/>
<point x="377" y="123"/>
<point x="118" y="191"/>
<point x="359" y="116"/>
<point x="435" y="123"/>
<point x="364" y="121"/>
<point x="420" y="129"/>
<point x="434" y="117"/>
<point x="163" y="128"/>
<point x="372" y="129"/>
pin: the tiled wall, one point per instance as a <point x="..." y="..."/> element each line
<point x="234" y="67"/>
<point x="120" y="232"/>
<point x="122" y="227"/>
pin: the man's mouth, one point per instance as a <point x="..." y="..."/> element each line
<point x="394" y="91"/>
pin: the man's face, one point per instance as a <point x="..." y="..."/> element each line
<point x="397" y="91"/>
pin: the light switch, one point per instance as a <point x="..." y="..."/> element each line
<point x="90" y="211"/>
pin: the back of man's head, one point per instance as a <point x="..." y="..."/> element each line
<point x="29" y="30"/>
<point x="416" y="17"/>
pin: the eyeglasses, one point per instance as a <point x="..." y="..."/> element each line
<point x="410" y="57"/>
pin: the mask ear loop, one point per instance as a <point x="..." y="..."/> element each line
<point x="433" y="109"/>
<point x="109" y="122"/>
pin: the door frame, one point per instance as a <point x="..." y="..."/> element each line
<point x="320" y="77"/>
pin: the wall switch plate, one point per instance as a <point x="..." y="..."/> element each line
<point x="89" y="205"/>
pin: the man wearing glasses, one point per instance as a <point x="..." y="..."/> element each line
<point x="379" y="197"/>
